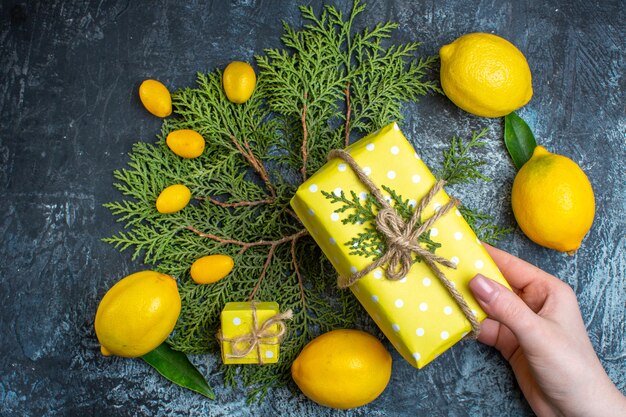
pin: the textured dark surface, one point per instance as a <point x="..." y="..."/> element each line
<point x="69" y="113"/>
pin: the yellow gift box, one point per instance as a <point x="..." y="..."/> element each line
<point x="416" y="313"/>
<point x="244" y="334"/>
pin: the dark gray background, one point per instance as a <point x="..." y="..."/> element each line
<point x="69" y="113"/>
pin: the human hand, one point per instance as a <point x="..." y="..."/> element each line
<point x="539" y="329"/>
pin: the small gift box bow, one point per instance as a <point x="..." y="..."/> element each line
<point x="402" y="239"/>
<point x="258" y="335"/>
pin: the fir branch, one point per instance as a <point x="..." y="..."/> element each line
<point x="332" y="63"/>
<point x="484" y="226"/>
<point x="238" y="203"/>
<point x="327" y="84"/>
<point x="247" y="245"/>
<point x="296" y="268"/>
<point x="268" y="261"/>
<point x="348" y="114"/>
<point x="459" y="166"/>
<point x="305" y="136"/>
<point x="254" y="161"/>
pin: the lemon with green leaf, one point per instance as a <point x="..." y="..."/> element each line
<point x="137" y="314"/>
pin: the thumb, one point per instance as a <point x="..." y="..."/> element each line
<point x="504" y="306"/>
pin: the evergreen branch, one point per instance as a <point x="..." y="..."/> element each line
<point x="127" y="212"/>
<point x="256" y="164"/>
<point x="294" y="118"/>
<point x="294" y="261"/>
<point x="459" y="166"/>
<point x="361" y="209"/>
<point x="268" y="260"/>
<point x="484" y="226"/>
<point x="348" y="114"/>
<point x="238" y="203"/>
<point x="305" y="135"/>
<point x="359" y="213"/>
<point x="247" y="245"/>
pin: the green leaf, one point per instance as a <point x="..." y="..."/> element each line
<point x="175" y="366"/>
<point x="519" y="139"/>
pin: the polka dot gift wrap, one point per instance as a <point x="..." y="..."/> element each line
<point x="237" y="321"/>
<point x="416" y="313"/>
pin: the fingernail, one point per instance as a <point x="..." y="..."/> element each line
<point x="483" y="288"/>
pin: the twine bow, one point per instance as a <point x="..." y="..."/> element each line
<point x="258" y="335"/>
<point x="402" y="239"/>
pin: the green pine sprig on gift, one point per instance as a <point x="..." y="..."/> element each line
<point x="369" y="243"/>
<point x="328" y="85"/>
<point x="461" y="165"/>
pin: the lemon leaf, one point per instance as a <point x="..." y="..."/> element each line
<point x="175" y="366"/>
<point x="519" y="139"/>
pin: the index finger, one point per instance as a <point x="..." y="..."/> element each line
<point x="517" y="272"/>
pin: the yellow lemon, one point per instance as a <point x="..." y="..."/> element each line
<point x="137" y="314"/>
<point x="342" y="369"/>
<point x="485" y="75"/>
<point x="239" y="81"/>
<point x="553" y="201"/>
<point x="172" y="199"/>
<point x="156" y="98"/>
<point x="211" y="268"/>
<point x="185" y="143"/>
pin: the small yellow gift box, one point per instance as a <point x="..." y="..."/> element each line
<point x="251" y="332"/>
<point x="417" y="313"/>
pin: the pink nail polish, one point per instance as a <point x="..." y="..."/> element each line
<point x="483" y="288"/>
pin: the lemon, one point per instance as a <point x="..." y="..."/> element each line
<point x="342" y="369"/>
<point x="239" y="81"/>
<point x="553" y="201"/>
<point x="485" y="75"/>
<point x="137" y="314"/>
<point x="156" y="98"/>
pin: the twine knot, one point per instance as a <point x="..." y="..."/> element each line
<point x="402" y="239"/>
<point x="258" y="335"/>
<point x="398" y="241"/>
